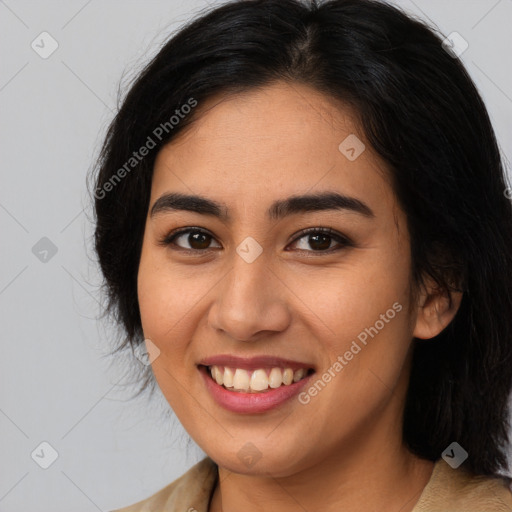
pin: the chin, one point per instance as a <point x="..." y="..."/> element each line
<point x="251" y="461"/>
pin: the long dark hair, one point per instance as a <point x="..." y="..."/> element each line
<point x="421" y="113"/>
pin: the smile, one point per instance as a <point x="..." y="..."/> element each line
<point x="260" y="380"/>
<point x="273" y="386"/>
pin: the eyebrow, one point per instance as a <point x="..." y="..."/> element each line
<point x="279" y="209"/>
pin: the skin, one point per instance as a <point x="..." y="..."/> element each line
<point x="343" y="450"/>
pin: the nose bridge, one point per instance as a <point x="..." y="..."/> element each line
<point x="248" y="281"/>
<point x="249" y="300"/>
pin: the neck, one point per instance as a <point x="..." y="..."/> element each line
<point x="365" y="484"/>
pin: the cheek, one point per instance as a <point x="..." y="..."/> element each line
<point x="163" y="302"/>
<point x="373" y="332"/>
<point x="365" y="336"/>
<point x="171" y="303"/>
<point x="342" y="302"/>
<point x="167" y="307"/>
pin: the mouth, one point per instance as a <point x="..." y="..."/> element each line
<point x="254" y="388"/>
<point x="254" y="385"/>
<point x="262" y="379"/>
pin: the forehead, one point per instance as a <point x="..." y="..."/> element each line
<point x="281" y="139"/>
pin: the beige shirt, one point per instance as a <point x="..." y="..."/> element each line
<point x="448" y="490"/>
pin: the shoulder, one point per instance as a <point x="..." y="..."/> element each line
<point x="456" y="490"/>
<point x="190" y="492"/>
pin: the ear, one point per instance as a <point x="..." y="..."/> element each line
<point x="436" y="309"/>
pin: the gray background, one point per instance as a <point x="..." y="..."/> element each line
<point x="56" y="386"/>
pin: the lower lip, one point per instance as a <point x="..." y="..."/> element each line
<point x="251" y="402"/>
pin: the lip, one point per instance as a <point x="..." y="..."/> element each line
<point x="251" y="403"/>
<point x="254" y="363"/>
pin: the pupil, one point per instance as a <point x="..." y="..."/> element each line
<point x="199" y="239"/>
<point x="324" y="245"/>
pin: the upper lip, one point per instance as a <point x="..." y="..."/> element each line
<point x="253" y="363"/>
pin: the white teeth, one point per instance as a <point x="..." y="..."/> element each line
<point x="218" y="375"/>
<point x="275" y="379"/>
<point x="228" y="377"/>
<point x="288" y="376"/>
<point x="259" y="380"/>
<point x="239" y="379"/>
<point x="298" y="375"/>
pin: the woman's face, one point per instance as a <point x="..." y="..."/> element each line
<point x="252" y="285"/>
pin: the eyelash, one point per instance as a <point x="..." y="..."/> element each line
<point x="344" y="242"/>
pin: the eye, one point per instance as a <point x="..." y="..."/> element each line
<point x="197" y="239"/>
<point x="320" y="240"/>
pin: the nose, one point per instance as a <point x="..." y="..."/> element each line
<point x="250" y="302"/>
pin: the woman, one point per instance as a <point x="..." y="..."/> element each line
<point x="302" y="217"/>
